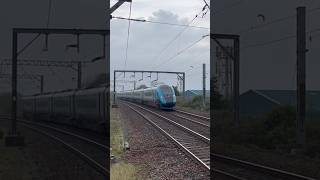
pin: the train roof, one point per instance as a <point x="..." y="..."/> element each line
<point x="140" y="90"/>
<point x="90" y="91"/>
<point x="67" y="92"/>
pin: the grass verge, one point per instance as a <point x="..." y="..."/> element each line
<point x="120" y="170"/>
<point x="194" y="104"/>
<point x="12" y="163"/>
<point x="123" y="171"/>
<point x="116" y="133"/>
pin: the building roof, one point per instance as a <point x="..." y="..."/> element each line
<point x="288" y="97"/>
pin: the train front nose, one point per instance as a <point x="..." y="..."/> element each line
<point x="168" y="101"/>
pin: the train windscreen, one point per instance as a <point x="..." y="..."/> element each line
<point x="166" y="90"/>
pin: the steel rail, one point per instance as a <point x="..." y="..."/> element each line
<point x="104" y="171"/>
<point x="197" y="122"/>
<point x="270" y="170"/>
<point x="171" y="137"/>
<point x="227" y="174"/>
<point x="203" y="138"/>
<point x="101" y="146"/>
<point x="192" y="114"/>
<point x="90" y="161"/>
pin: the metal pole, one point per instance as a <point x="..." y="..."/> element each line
<point x="79" y="75"/>
<point x="301" y="74"/>
<point x="184" y="84"/>
<point x="204" y="85"/>
<point x="114" y="87"/>
<point x="41" y="84"/>
<point x="236" y="78"/>
<point x="14" y="83"/>
<point x="78" y="44"/>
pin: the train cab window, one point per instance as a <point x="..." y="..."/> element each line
<point x="166" y="89"/>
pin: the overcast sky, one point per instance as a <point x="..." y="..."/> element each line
<point x="147" y="41"/>
<point x="271" y="66"/>
<point x="64" y="14"/>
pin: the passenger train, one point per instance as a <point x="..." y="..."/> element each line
<point x="85" y="108"/>
<point x="162" y="96"/>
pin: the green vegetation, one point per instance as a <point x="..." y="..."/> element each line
<point x="120" y="170"/>
<point x="275" y="131"/>
<point x="12" y="165"/>
<point x="196" y="103"/>
<point x="116" y="134"/>
<point x="124" y="171"/>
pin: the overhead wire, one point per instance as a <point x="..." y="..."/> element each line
<point x="47" y="25"/>
<point x="128" y="36"/>
<point x="28" y="44"/>
<point x="182" y="51"/>
<point x="176" y="37"/>
<point x="157" y="22"/>
<point x="277" y="20"/>
<point x="49" y="13"/>
<point x="38" y="35"/>
<point x="278" y="40"/>
<point x="198" y="57"/>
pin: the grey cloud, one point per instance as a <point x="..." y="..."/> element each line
<point x="147" y="40"/>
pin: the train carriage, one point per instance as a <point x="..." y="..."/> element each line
<point x="90" y="108"/>
<point x="43" y="106"/>
<point x="28" y="106"/>
<point x="85" y="108"/>
<point x="62" y="107"/>
<point x="162" y="96"/>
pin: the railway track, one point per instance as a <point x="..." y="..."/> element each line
<point x="183" y="138"/>
<point x="224" y="167"/>
<point x="87" y="148"/>
<point x="244" y="170"/>
<point x="191" y="118"/>
<point x="194" y="144"/>
<point x="193" y="115"/>
<point x="197" y="125"/>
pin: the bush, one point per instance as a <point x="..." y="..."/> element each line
<point x="197" y="103"/>
<point x="276" y="130"/>
<point x="313" y="138"/>
<point x="273" y="131"/>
